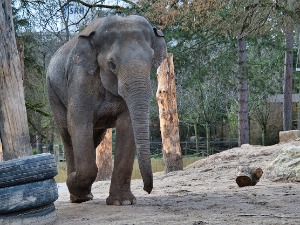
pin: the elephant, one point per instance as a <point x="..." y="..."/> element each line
<point x="100" y="79"/>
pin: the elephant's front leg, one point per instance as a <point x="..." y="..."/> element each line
<point x="80" y="182"/>
<point x="120" y="192"/>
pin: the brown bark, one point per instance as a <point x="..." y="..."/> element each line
<point x="104" y="157"/>
<point x="248" y="176"/>
<point x="243" y="114"/>
<point x="166" y="99"/>
<point x="288" y="76"/>
<point x="14" y="131"/>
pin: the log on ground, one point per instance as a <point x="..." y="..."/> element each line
<point x="248" y="176"/>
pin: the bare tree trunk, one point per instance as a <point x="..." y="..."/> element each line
<point x="13" y="116"/>
<point x="264" y="134"/>
<point x="208" y="137"/>
<point x="288" y="76"/>
<point x="243" y="114"/>
<point x="104" y="157"/>
<point x="166" y="99"/>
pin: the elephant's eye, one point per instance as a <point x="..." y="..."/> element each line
<point x="112" y="65"/>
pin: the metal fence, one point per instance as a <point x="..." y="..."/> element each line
<point x="187" y="148"/>
<point x="190" y="147"/>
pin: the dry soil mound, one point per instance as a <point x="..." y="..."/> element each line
<point x="203" y="193"/>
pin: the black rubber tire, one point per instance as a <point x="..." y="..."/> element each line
<point x="27" y="196"/>
<point x="44" y="215"/>
<point x="27" y="169"/>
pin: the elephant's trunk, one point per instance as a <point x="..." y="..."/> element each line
<point x="135" y="89"/>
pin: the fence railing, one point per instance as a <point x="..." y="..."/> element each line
<point x="187" y="148"/>
<point x="190" y="148"/>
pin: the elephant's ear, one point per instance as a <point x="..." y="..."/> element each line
<point x="85" y="53"/>
<point x="159" y="47"/>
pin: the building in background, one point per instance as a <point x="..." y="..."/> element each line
<point x="76" y="16"/>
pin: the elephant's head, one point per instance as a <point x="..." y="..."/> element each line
<point x="124" y="50"/>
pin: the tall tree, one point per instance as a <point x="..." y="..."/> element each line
<point x="229" y="18"/>
<point x="265" y="79"/>
<point x="14" y="131"/>
<point x="250" y="18"/>
<point x="243" y="112"/>
<point x="288" y="68"/>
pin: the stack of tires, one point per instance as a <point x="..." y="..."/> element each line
<point x="28" y="190"/>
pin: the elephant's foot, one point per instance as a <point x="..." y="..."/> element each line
<point x="79" y="188"/>
<point x="76" y="199"/>
<point x="125" y="198"/>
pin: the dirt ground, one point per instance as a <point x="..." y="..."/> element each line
<point x="204" y="193"/>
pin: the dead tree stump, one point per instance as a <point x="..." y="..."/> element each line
<point x="166" y="99"/>
<point x="104" y="157"/>
<point x="248" y="176"/>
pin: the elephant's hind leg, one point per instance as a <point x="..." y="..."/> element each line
<point x="120" y="192"/>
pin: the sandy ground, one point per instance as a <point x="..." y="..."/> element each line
<point x="204" y="193"/>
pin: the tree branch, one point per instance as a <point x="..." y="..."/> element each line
<point x="131" y="3"/>
<point x="95" y="5"/>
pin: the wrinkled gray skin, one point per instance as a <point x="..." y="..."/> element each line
<point x="98" y="80"/>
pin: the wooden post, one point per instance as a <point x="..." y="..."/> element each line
<point x="104" y="157"/>
<point x="166" y="99"/>
<point x="248" y="176"/>
<point x="197" y="140"/>
<point x="208" y="147"/>
<point x="56" y="152"/>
